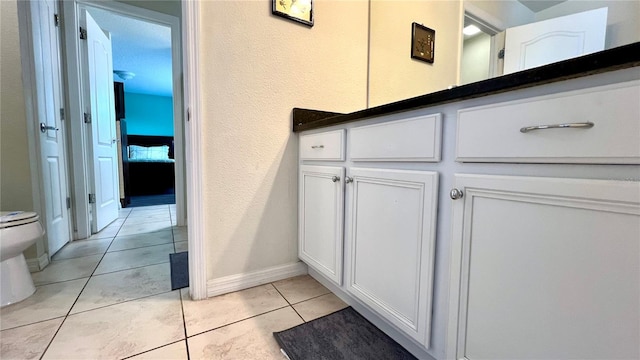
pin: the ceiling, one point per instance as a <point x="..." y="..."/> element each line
<point x="539" y="5"/>
<point x="140" y="47"/>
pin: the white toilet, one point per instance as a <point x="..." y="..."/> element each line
<point x="18" y="231"/>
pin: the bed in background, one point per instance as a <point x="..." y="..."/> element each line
<point x="151" y="165"/>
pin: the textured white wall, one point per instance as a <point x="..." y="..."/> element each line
<point x="475" y="59"/>
<point x="393" y="74"/>
<point x="15" y="174"/>
<point x="623" y="18"/>
<point x="255" y="68"/>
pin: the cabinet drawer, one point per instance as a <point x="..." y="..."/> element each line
<point x="414" y="139"/>
<point x="323" y="146"/>
<point x="493" y="133"/>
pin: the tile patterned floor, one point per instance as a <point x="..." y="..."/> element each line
<point x="109" y="297"/>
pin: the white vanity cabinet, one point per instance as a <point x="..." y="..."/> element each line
<point x="390" y="243"/>
<point x="321" y="203"/>
<point x="545" y="268"/>
<point x="538" y="244"/>
<point x="548" y="267"/>
<point x="389" y="220"/>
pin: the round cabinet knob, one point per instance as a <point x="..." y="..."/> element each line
<point x="348" y="179"/>
<point x="456" y="194"/>
<point x="335" y="178"/>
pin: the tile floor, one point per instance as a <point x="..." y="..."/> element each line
<point x="109" y="297"/>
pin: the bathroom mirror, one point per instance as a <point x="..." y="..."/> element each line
<point x="461" y="59"/>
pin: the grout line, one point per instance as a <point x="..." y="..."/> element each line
<point x="156" y="348"/>
<point x="184" y="323"/>
<point x="285" y="299"/>
<point x="87" y="282"/>
<point x="312" y="298"/>
<point x="53" y="337"/>
<point x="237" y="321"/>
<point x="121" y="302"/>
<point x="78" y="257"/>
<point x="137" y="267"/>
<point x="135" y="248"/>
<point x="61" y="281"/>
<point x="33" y="323"/>
<point x="72" y="305"/>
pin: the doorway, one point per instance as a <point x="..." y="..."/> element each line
<point x="480" y="60"/>
<point x="116" y="18"/>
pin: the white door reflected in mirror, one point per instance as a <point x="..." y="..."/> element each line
<point x="549" y="41"/>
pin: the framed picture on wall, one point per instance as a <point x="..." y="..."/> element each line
<point x="423" y="42"/>
<point x="297" y="10"/>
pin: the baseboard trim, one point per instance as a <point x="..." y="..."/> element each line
<point x="243" y="281"/>
<point x="37" y="264"/>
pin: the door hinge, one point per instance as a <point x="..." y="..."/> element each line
<point x="92" y="198"/>
<point x="68" y="203"/>
<point x="61" y="113"/>
<point x="501" y="54"/>
<point x="56" y="19"/>
<point x="83" y="33"/>
<point x="87" y="118"/>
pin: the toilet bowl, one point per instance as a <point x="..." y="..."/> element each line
<point x="18" y="231"/>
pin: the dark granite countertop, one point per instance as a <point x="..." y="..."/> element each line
<point x="608" y="60"/>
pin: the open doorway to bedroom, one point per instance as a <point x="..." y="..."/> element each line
<point x="143" y="85"/>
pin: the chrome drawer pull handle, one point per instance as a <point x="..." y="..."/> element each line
<point x="335" y="178"/>
<point x="584" y="125"/>
<point x="317" y="146"/>
<point x="348" y="179"/>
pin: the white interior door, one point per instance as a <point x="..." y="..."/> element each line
<point x="101" y="108"/>
<point x="49" y="102"/>
<point x="549" y="41"/>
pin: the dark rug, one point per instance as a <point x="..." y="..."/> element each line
<point x="179" y="270"/>
<point x="345" y="334"/>
<point x="149" y="200"/>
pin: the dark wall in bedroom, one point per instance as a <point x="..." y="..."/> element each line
<point x="148" y="114"/>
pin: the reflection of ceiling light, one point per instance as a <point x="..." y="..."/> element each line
<point x="300" y="7"/>
<point x="470" y="30"/>
<point x="124" y="75"/>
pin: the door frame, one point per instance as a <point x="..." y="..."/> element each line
<point x="190" y="129"/>
<point x="489" y="24"/>
<point x="76" y="104"/>
<point x="193" y="136"/>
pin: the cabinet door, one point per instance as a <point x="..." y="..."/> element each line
<point x="545" y="268"/>
<point x="391" y="237"/>
<point x="321" y="219"/>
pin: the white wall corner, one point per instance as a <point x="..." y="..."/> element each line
<point x="38" y="264"/>
<point x="243" y="281"/>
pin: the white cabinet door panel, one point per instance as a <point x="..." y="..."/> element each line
<point x="321" y="219"/>
<point x="391" y="243"/>
<point x="547" y="268"/>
